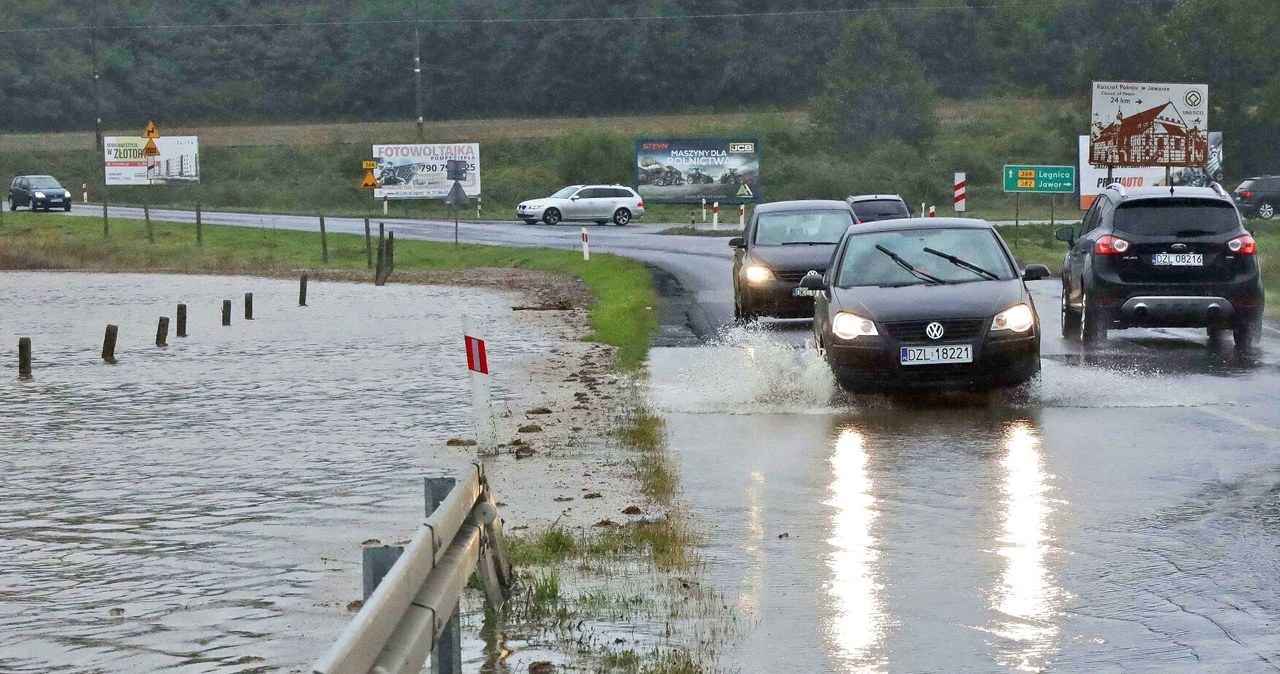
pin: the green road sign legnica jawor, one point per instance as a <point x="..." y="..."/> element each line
<point x="1042" y="179"/>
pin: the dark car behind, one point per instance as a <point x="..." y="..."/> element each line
<point x="1258" y="197"/>
<point x="781" y="243"/>
<point x="38" y="192"/>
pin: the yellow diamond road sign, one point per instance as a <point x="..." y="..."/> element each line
<point x="151" y="131"/>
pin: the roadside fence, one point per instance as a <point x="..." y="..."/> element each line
<point x="412" y="593"/>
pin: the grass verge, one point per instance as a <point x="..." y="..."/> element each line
<point x="623" y="314"/>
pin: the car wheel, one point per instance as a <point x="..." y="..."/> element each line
<point x="551" y="216"/>
<point x="13" y="205"/>
<point x="67" y="208"/>
<point x="1248" y="332"/>
<point x="1266" y="210"/>
<point x="621" y="217"/>
<point x="1070" y="319"/>
<point x="1093" y="322"/>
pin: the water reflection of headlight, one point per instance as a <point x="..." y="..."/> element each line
<point x="1027" y="593"/>
<point x="860" y="622"/>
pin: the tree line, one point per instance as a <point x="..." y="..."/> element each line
<point x="865" y="67"/>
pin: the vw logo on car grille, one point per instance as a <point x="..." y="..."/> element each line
<point x="934" y="330"/>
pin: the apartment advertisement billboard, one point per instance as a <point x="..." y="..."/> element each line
<point x="125" y="160"/>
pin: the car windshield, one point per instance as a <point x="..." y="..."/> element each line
<point x="1174" y="217"/>
<point x="801" y="227"/>
<point x="44" y="183"/>
<point x="880" y="209"/>
<point x="865" y="264"/>
<point x="564" y="193"/>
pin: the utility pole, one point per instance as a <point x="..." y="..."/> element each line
<point x="97" y="84"/>
<point x="417" y="70"/>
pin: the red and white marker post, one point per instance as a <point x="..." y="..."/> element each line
<point x="84" y="191"/>
<point x="933" y="212"/>
<point x="586" y="245"/>
<point x="961" y="197"/>
<point x="742" y="215"/>
<point x="481" y="386"/>
<point x="384" y="204"/>
<point x="704" y="209"/>
<point x="715" y="215"/>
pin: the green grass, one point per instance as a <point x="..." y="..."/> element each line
<point x="623" y="314"/>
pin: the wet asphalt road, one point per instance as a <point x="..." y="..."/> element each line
<point x="1125" y="516"/>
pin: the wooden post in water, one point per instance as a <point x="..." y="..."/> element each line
<point x="182" y="320"/>
<point x="324" y="243"/>
<point x="226" y="312"/>
<point x="302" y="291"/>
<point x="162" y="332"/>
<point x="146" y="217"/>
<point x="199" y="230"/>
<point x="248" y="306"/>
<point x="24" y="357"/>
<point x="109" y="345"/>
<point x="368" y="245"/>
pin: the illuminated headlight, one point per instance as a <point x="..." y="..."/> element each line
<point x="758" y="274"/>
<point x="1017" y="318"/>
<point x="66" y="194"/>
<point x="39" y="195"/>
<point x="852" y="326"/>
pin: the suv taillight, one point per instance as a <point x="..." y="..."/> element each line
<point x="641" y="204"/>
<point x="1243" y="245"/>
<point x="1110" y="245"/>
<point x="1247" y="194"/>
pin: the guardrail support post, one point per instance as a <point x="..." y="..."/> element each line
<point x="377" y="562"/>
<point x="447" y="656"/>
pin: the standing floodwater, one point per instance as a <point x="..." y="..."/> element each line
<point x="201" y="507"/>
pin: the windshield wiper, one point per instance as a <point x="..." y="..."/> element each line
<point x="907" y="266"/>
<point x="963" y="264"/>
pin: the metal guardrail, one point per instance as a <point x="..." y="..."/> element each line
<point x="412" y="611"/>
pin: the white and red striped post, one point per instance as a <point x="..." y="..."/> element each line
<point x="961" y="197"/>
<point x="704" y="210"/>
<point x="933" y="212"/>
<point x="84" y="191"/>
<point x="384" y="204"/>
<point x="715" y="215"/>
<point x="586" y="245"/>
<point x="742" y="215"/>
<point x="481" y="386"/>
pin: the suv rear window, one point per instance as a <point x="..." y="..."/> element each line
<point x="880" y="209"/>
<point x="1248" y="184"/>
<point x="1176" y="217"/>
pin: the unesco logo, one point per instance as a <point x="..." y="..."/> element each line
<point x="934" y="330"/>
<point x="742" y="148"/>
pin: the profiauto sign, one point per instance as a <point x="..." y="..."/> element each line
<point x="688" y="170"/>
<point x="421" y="171"/>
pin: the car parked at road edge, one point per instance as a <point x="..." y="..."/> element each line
<point x="591" y="203"/>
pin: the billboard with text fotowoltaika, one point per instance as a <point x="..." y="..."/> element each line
<point x="420" y="171"/>
<point x="688" y="170"/>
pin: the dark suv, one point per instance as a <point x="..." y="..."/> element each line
<point x="36" y="192"/>
<point x="1259" y="197"/>
<point x="1156" y="257"/>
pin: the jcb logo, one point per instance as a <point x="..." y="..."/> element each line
<point x="742" y="148"/>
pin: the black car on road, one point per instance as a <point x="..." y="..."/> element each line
<point x="932" y="303"/>
<point x="1258" y="197"/>
<point x="1161" y="257"/>
<point x="781" y="243"/>
<point x="37" y="192"/>
<point x="876" y="207"/>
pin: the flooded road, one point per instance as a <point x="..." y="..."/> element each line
<point x="201" y="507"/>
<point x="1125" y="517"/>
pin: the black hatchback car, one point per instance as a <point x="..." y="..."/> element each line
<point x="1161" y="257"/>
<point x="782" y="242"/>
<point x="1258" y="197"/>
<point x="926" y="303"/>
<point x="37" y="192"/>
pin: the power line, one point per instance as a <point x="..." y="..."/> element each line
<point x="1011" y="4"/>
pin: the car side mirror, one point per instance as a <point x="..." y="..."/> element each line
<point x="737" y="242"/>
<point x="1036" y="272"/>
<point x="815" y="282"/>
<point x="1067" y="234"/>
<point x="574" y="198"/>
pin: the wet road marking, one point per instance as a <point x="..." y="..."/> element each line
<point x="1237" y="419"/>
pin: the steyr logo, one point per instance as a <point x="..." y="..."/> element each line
<point x="934" y="330"/>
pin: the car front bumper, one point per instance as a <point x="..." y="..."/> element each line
<point x="50" y="202"/>
<point x="874" y="364"/>
<point x="775" y="299"/>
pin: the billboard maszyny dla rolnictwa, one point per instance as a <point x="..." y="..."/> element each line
<point x="688" y="170"/>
